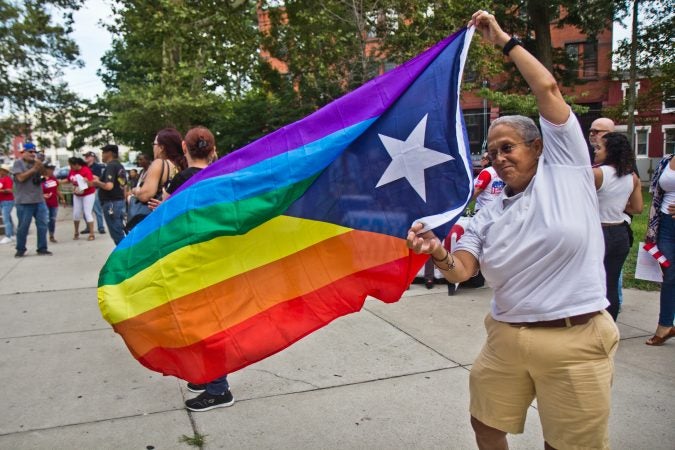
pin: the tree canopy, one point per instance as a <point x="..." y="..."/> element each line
<point x="174" y="62"/>
<point x="655" y="52"/>
<point x="35" y="47"/>
<point x="186" y="62"/>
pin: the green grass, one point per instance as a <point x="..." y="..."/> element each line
<point x="197" y="440"/>
<point x="639" y="227"/>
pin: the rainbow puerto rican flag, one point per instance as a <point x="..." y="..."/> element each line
<point x="281" y="237"/>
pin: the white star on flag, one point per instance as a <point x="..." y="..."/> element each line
<point x="410" y="158"/>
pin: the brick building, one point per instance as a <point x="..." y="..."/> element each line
<point x="598" y="91"/>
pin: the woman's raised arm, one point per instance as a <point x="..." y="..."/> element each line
<point x="552" y="106"/>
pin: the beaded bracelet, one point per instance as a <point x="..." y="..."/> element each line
<point x="446" y="260"/>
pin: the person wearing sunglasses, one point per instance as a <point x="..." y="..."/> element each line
<point x="540" y="247"/>
<point x="599" y="128"/>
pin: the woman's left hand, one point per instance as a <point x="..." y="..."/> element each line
<point x="671" y="210"/>
<point x="426" y="242"/>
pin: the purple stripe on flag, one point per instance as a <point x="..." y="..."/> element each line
<point x="346" y="111"/>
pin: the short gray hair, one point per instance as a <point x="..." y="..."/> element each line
<point x="524" y="126"/>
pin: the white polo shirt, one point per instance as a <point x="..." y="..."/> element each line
<point x="542" y="249"/>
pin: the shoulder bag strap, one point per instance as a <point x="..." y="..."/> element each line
<point x="160" y="182"/>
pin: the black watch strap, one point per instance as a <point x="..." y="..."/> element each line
<point x="512" y="43"/>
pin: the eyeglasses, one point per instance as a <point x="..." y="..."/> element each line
<point x="155" y="143"/>
<point x="505" y="149"/>
<point x="595" y="131"/>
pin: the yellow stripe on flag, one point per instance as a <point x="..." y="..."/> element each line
<point x="197" y="266"/>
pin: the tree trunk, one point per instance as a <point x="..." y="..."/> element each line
<point x="540" y="18"/>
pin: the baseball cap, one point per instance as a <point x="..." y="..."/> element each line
<point x="29" y="146"/>
<point x="6" y="167"/>
<point x="110" y="148"/>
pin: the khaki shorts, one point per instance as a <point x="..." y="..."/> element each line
<point x="568" y="370"/>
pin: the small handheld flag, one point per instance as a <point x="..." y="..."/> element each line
<point x="281" y="237"/>
<point x="653" y="250"/>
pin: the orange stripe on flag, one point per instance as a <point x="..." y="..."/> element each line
<point x="194" y="317"/>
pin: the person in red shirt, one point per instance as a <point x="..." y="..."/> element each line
<point x="7" y="203"/>
<point x="53" y="196"/>
<point x="85" y="193"/>
<point x="487" y="185"/>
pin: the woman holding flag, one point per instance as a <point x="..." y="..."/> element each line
<point x="540" y="247"/>
<point x="661" y="239"/>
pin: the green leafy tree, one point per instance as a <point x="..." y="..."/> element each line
<point x="34" y="50"/>
<point x="654" y="54"/>
<point x="174" y="63"/>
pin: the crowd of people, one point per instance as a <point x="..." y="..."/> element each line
<point x="101" y="191"/>
<point x="544" y="216"/>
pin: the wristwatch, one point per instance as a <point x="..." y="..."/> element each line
<point x="510" y="44"/>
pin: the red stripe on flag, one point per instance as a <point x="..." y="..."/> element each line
<point x="280" y="326"/>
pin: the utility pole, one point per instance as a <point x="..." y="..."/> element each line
<point x="630" y="106"/>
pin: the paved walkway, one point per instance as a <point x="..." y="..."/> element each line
<point x="389" y="377"/>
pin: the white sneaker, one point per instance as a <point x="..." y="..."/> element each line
<point x="5" y="240"/>
<point x="13" y="238"/>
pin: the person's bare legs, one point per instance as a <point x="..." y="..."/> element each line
<point x="90" y="225"/>
<point x="77" y="229"/>
<point x="488" y="438"/>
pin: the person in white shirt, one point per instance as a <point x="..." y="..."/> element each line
<point x="487" y="186"/>
<point x="540" y="248"/>
<point x="619" y="192"/>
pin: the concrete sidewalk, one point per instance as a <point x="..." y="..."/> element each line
<point x="389" y="377"/>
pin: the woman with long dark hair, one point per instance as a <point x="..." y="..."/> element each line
<point x="169" y="160"/>
<point x="619" y="192"/>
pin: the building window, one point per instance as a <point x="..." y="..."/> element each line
<point x="572" y="51"/>
<point x="590" y="59"/>
<point x="624" y="90"/>
<point x="585" y="56"/>
<point x="475" y="129"/>
<point x="669" y="104"/>
<point x="641" y="143"/>
<point x="669" y="140"/>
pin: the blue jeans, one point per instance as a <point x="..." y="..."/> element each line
<point x="666" y="243"/>
<point x="98" y="212"/>
<point x="7" y="206"/>
<point x="218" y="386"/>
<point x="26" y="213"/>
<point x="53" y="211"/>
<point x="113" y="211"/>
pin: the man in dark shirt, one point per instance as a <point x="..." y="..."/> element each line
<point x="96" y="169"/>
<point x="111" y="185"/>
